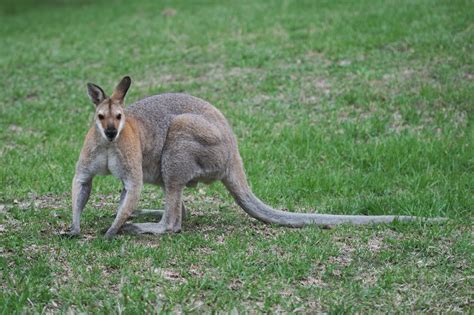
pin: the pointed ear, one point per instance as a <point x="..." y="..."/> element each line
<point x="96" y="94"/>
<point x="121" y="89"/>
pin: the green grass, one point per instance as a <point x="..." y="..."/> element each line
<point x="349" y="108"/>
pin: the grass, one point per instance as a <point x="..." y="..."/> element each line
<point x="361" y="108"/>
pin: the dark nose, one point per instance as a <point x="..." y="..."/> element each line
<point x="111" y="133"/>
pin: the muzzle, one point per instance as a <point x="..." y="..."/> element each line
<point x="110" y="133"/>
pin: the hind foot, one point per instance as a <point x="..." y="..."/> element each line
<point x="147" y="228"/>
<point x="152" y="213"/>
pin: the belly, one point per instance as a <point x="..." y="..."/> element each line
<point x="152" y="173"/>
<point x="100" y="165"/>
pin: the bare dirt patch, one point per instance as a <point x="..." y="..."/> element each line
<point x="312" y="281"/>
<point x="169" y="12"/>
<point x="47" y="201"/>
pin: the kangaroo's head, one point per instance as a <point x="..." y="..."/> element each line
<point x="109" y="114"/>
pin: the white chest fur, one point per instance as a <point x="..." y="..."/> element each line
<point x="99" y="164"/>
<point x="107" y="161"/>
<point x="113" y="163"/>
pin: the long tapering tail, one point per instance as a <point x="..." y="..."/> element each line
<point x="237" y="185"/>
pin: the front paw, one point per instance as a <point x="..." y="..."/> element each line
<point x="110" y="234"/>
<point x="70" y="233"/>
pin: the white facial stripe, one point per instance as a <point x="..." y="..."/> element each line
<point x="121" y="125"/>
<point x="102" y="132"/>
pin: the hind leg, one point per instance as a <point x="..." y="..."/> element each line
<point x="155" y="213"/>
<point x="171" y="220"/>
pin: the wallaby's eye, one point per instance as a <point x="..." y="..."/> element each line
<point x="101" y="117"/>
<point x="119" y="116"/>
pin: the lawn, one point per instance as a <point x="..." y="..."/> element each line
<point x="340" y="107"/>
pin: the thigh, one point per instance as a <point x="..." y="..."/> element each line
<point x="193" y="152"/>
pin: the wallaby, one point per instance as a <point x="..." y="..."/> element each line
<point x="171" y="140"/>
